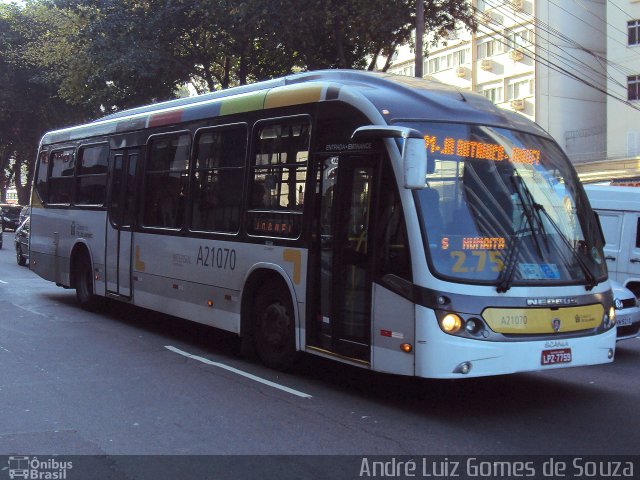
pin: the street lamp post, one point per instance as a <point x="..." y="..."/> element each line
<point x="419" y="35"/>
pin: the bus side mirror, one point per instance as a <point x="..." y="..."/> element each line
<point x="414" y="161"/>
<point x="414" y="153"/>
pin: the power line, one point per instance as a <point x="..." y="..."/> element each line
<point x="599" y="58"/>
<point x="581" y="5"/>
<point x="623" y="11"/>
<point x="556" y="56"/>
<point x="549" y="29"/>
<point x="600" y="19"/>
<point x="554" y="66"/>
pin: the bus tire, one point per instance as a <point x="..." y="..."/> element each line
<point x="84" y="284"/>
<point x="19" y="257"/>
<point x="274" y="327"/>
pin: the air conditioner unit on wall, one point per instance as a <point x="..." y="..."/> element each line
<point x="486" y="64"/>
<point x="461" y="71"/>
<point x="496" y="17"/>
<point x="517" y="104"/>
<point x="484" y="18"/>
<point x="516" y="54"/>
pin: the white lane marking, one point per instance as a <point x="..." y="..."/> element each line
<point x="30" y="310"/>
<point x="2" y="281"/>
<point x="239" y="372"/>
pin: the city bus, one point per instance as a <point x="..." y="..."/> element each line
<point x="391" y="223"/>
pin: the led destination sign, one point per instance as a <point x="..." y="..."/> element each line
<point x="479" y="150"/>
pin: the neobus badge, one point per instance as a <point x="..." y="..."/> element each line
<point x="550" y="302"/>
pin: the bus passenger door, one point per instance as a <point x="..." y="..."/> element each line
<point x="120" y="218"/>
<point x="347" y="186"/>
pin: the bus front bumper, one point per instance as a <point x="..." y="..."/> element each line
<point x="440" y="355"/>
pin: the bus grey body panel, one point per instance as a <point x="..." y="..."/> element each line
<point x="204" y="207"/>
<point x="393" y="324"/>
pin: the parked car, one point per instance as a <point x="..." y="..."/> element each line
<point x="10" y="216"/>
<point x="627" y="312"/>
<point x="22" y="242"/>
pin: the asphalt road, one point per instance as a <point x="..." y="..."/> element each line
<point x="73" y="382"/>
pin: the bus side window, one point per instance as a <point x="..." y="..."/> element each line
<point x="393" y="256"/>
<point x="218" y="179"/>
<point x="91" y="177"/>
<point x="61" y="176"/>
<point x="279" y="173"/>
<point x="42" y="177"/>
<point x="165" y="186"/>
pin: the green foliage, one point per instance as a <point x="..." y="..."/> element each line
<point x="30" y="103"/>
<point x="67" y="61"/>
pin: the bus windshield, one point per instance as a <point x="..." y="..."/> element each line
<point x="505" y="207"/>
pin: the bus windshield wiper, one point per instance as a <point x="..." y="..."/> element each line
<point x="506" y="275"/>
<point x="590" y="279"/>
<point x="530" y="210"/>
<point x="533" y="219"/>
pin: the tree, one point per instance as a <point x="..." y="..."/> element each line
<point x="136" y="50"/>
<point x="356" y="33"/>
<point x="142" y="50"/>
<point x="29" y="102"/>
<point x="67" y="61"/>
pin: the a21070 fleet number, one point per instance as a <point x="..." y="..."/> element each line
<point x="216" y="257"/>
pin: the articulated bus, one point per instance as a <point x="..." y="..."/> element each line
<point x="387" y="222"/>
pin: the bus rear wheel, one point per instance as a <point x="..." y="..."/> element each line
<point x="19" y="257"/>
<point x="274" y="328"/>
<point x="84" y="284"/>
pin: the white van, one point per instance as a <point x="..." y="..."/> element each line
<point x="619" y="211"/>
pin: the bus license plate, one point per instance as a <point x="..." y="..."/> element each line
<point x="552" y="357"/>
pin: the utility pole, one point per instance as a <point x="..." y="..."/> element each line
<point x="419" y="35"/>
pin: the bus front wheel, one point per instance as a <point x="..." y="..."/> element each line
<point x="274" y="328"/>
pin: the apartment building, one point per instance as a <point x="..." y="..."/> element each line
<point x="623" y="71"/>
<point x="622" y="158"/>
<point x="542" y="58"/>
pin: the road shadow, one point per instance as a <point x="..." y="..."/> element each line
<point x="490" y="397"/>
<point x="627" y="351"/>
<point x="173" y="329"/>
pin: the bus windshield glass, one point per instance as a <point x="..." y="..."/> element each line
<point x="506" y="208"/>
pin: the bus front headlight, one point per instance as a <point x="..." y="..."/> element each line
<point x="451" y="323"/>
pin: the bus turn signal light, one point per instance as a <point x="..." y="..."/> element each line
<point x="406" y="348"/>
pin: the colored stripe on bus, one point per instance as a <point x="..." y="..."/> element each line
<point x="136" y="123"/>
<point x="293" y="95"/>
<point x="243" y="103"/>
<point x="198" y="112"/>
<point x="165" y="118"/>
